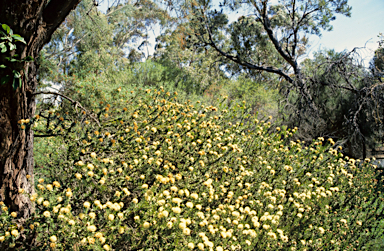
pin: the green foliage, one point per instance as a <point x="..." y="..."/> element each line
<point x="348" y="103"/>
<point x="377" y="62"/>
<point x="92" y="41"/>
<point x="9" y="71"/>
<point x="259" y="97"/>
<point x="159" y="173"/>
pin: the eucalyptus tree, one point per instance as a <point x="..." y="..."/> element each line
<point x="97" y="41"/>
<point x="193" y="68"/>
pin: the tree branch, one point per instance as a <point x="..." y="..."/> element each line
<point x="55" y="13"/>
<point x="242" y="62"/>
<point x="267" y="26"/>
<point x="76" y="103"/>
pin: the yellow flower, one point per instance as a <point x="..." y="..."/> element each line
<point x="146" y="224"/>
<point x="111" y="217"/>
<point x="176" y="210"/>
<point x="106" y="247"/>
<point x="14" y="214"/>
<point x="135" y="200"/>
<point x="189" y="204"/>
<point x="186" y="231"/>
<point x="47" y="214"/>
<point x="200" y="246"/>
<point x="71" y="222"/>
<point x="176" y="200"/>
<point x="15" y="232"/>
<point x="46" y="203"/>
<point x="91" y="228"/>
<point x="93" y="155"/>
<point x="165" y="213"/>
<point x="194" y="196"/>
<point x="191" y="245"/>
<point x="87" y="204"/>
<point x="68" y="193"/>
<point x="56" y="184"/>
<point x="53" y="238"/>
<point x="92" y="215"/>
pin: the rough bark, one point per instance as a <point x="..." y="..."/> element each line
<point x="35" y="20"/>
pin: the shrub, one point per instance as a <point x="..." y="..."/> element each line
<point x="155" y="173"/>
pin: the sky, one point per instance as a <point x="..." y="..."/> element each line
<point x="359" y="30"/>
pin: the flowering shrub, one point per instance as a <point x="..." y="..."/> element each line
<point x="161" y="174"/>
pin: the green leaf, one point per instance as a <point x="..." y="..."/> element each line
<point x="16" y="83"/>
<point x="3" y="66"/>
<point x="5" y="79"/>
<point x="3" y="35"/>
<point x="12" y="60"/>
<point x="6" y="28"/>
<point x="18" y="38"/>
<point x="3" y="47"/>
<point x="28" y="59"/>
<point x="16" y="74"/>
<point x="11" y="46"/>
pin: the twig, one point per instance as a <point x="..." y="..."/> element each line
<point x="75" y="103"/>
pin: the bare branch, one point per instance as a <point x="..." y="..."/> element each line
<point x="75" y="103"/>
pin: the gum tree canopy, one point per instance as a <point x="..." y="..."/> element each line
<point x="35" y="21"/>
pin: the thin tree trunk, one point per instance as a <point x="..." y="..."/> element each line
<point x="364" y="149"/>
<point x="35" y="20"/>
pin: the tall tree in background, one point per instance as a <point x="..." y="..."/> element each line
<point x="92" y="41"/>
<point x="35" y="21"/>
<point x="377" y="62"/>
<point x="272" y="37"/>
<point x="280" y="29"/>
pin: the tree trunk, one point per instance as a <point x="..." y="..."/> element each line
<point x="16" y="144"/>
<point x="35" y="20"/>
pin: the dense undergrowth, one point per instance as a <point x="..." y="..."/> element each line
<point x="153" y="172"/>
